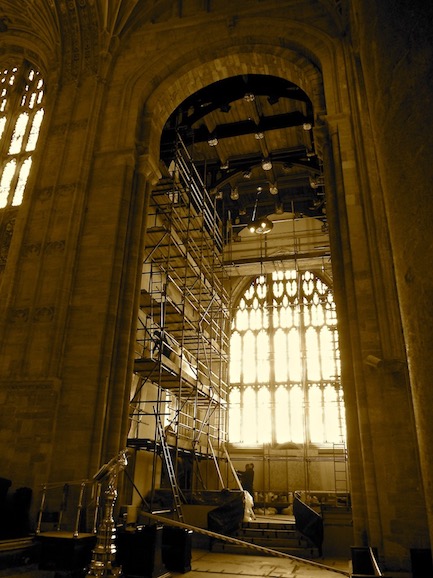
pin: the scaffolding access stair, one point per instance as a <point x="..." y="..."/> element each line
<point x="170" y="470"/>
<point x="280" y="535"/>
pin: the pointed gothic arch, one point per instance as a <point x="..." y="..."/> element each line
<point x="285" y="363"/>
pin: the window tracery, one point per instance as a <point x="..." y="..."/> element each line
<point x="21" y="115"/>
<point x="285" y="363"/>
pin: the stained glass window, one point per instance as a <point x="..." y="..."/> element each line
<point x="21" y="115"/>
<point x="285" y="363"/>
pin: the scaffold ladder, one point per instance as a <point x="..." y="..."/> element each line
<point x="170" y="469"/>
<point x="340" y="468"/>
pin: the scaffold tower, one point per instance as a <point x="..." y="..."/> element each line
<point x="181" y="358"/>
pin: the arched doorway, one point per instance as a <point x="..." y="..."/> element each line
<point x="234" y="153"/>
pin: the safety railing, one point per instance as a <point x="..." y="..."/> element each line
<point x="63" y="505"/>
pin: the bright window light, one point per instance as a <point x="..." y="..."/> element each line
<point x="285" y="363"/>
<point x="19" y="129"/>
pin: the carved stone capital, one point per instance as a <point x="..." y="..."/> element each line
<point x="147" y="167"/>
<point x="43" y="314"/>
<point x="31" y="250"/>
<point x="55" y="247"/>
<point x="44" y="194"/>
<point x="19" y="315"/>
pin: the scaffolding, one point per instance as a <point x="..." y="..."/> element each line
<point x="181" y="358"/>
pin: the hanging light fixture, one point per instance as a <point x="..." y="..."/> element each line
<point x="234" y="194"/>
<point x="266" y="164"/>
<point x="259" y="226"/>
<point x="249" y="97"/>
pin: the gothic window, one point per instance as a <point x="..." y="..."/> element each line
<point x="21" y="114"/>
<point x="285" y="363"/>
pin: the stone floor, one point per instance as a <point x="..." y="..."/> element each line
<point x="247" y="565"/>
<point x="207" y="564"/>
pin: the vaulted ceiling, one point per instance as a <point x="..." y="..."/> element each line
<point x="230" y="127"/>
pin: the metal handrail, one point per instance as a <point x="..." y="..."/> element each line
<point x="82" y="484"/>
<point x="377" y="571"/>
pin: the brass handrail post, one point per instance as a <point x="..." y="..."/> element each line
<point x="104" y="552"/>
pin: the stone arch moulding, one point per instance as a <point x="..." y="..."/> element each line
<point x="13" y="53"/>
<point x="182" y="81"/>
<point x="176" y="87"/>
<point x="309" y="56"/>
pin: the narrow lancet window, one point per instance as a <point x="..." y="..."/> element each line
<point x="21" y="115"/>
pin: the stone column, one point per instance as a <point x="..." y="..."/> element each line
<point x="395" y="42"/>
<point x="381" y="437"/>
<point x="116" y="426"/>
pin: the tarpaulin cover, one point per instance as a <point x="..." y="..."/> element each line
<point x="227" y="518"/>
<point x="308" y="522"/>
